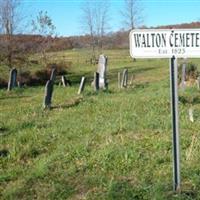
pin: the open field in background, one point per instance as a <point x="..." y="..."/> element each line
<point x="118" y="59"/>
<point x="107" y="145"/>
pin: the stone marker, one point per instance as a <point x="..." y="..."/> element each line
<point x="64" y="81"/>
<point x="102" y="68"/>
<point x="53" y="74"/>
<point x="48" y="94"/>
<point x="12" y="79"/>
<point x="19" y="84"/>
<point x="198" y="82"/>
<point x="96" y="81"/>
<point x="82" y="85"/>
<point x="183" y="77"/>
<point x="124" y="82"/>
<point x="191" y="115"/>
<point x="119" y="80"/>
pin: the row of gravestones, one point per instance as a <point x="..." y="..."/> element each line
<point x="12" y="83"/>
<point x="99" y="82"/>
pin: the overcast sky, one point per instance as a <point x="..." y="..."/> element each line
<point x="66" y="14"/>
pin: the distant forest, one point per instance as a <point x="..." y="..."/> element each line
<point x="114" y="40"/>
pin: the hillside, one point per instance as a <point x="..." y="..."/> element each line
<point x="110" y="145"/>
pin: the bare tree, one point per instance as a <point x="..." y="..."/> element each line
<point x="102" y="19"/>
<point x="88" y="23"/>
<point x="132" y="13"/>
<point x="43" y="26"/>
<point x="9" y="24"/>
<point x="95" y="23"/>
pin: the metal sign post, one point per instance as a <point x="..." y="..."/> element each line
<point x="175" y="123"/>
<point x="173" y="44"/>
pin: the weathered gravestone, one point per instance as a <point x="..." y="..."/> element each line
<point x="12" y="79"/>
<point x="119" y="79"/>
<point x="191" y="115"/>
<point x="82" y="85"/>
<point x="102" y="68"/>
<point x="183" y="77"/>
<point x="96" y="81"/>
<point x="19" y="84"/>
<point x="53" y="74"/>
<point x="48" y="94"/>
<point x="198" y="82"/>
<point x="64" y="81"/>
<point x="124" y="82"/>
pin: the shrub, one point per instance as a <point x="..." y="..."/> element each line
<point x="40" y="77"/>
<point x="25" y="77"/>
<point x="191" y="71"/>
<point x="61" y="67"/>
<point x="3" y="83"/>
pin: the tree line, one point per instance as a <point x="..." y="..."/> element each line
<point x="16" y="46"/>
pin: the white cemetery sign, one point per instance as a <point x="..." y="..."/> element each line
<point x="165" y="43"/>
<point x="173" y="44"/>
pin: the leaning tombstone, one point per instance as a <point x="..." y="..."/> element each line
<point x="12" y="79"/>
<point x="82" y="85"/>
<point x="124" y="82"/>
<point x="102" y="68"/>
<point x="53" y="74"/>
<point x="96" y="81"/>
<point x="64" y="81"/>
<point x="48" y="94"/>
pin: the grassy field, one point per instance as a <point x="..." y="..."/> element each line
<point x="114" y="144"/>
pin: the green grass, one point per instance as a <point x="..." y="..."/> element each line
<point x="108" y="145"/>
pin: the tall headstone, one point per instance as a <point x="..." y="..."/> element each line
<point x="124" y="82"/>
<point x="82" y="85"/>
<point x="102" y="69"/>
<point x="53" y="74"/>
<point x="12" y="79"/>
<point x="48" y="94"/>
